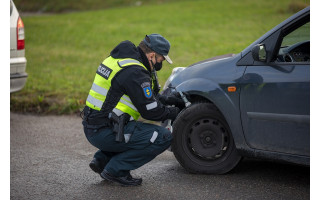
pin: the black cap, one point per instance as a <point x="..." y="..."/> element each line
<point x="159" y="44"/>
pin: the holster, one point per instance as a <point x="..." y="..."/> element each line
<point x="118" y="125"/>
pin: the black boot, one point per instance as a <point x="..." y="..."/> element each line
<point x="96" y="166"/>
<point x="123" y="180"/>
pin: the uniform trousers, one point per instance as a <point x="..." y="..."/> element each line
<point x="145" y="143"/>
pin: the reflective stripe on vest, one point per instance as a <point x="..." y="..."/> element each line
<point x="98" y="89"/>
<point x="124" y="99"/>
<point x="128" y="61"/>
<point x="102" y="83"/>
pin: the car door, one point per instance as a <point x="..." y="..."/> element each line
<point x="275" y="95"/>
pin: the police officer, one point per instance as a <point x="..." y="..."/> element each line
<point x="125" y="85"/>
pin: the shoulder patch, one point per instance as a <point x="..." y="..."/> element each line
<point x="146" y="89"/>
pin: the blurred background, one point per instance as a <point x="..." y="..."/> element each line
<point x="66" y="40"/>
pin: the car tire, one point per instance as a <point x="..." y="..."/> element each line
<point x="202" y="140"/>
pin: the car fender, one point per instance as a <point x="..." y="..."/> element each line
<point x="226" y="104"/>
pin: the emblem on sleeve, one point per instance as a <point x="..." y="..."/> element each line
<point x="146" y="89"/>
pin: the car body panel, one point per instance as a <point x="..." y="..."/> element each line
<point x="269" y="113"/>
<point x="275" y="110"/>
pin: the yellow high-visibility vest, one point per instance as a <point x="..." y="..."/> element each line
<point x="102" y="83"/>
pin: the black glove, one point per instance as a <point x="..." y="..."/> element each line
<point x="174" y="111"/>
<point x="172" y="99"/>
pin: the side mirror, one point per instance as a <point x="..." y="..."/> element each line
<point x="259" y="53"/>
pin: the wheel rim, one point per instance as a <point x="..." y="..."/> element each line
<point x="207" y="139"/>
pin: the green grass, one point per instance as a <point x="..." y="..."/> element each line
<point x="64" y="50"/>
<point x="61" y="6"/>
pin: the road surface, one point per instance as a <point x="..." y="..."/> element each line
<point x="49" y="157"/>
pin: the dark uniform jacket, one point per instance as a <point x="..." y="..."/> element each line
<point x="132" y="81"/>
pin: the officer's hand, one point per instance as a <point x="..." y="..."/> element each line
<point x="174" y="99"/>
<point x="174" y="111"/>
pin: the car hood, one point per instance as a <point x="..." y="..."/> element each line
<point x="214" y="69"/>
<point x="214" y="58"/>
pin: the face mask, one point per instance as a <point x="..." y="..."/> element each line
<point x="157" y="66"/>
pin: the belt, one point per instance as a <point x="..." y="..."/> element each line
<point x="95" y="120"/>
<point x="99" y="121"/>
<point x="95" y="126"/>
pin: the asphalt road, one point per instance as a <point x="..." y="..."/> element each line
<point x="50" y="157"/>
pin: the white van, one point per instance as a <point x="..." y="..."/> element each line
<point x="18" y="61"/>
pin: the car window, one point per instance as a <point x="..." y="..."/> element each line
<point x="295" y="46"/>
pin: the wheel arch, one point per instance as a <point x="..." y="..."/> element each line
<point x="207" y="90"/>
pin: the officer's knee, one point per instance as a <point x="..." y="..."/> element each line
<point x="165" y="134"/>
<point x="164" y="138"/>
<point x="161" y="144"/>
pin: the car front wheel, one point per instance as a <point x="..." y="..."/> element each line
<point x="203" y="141"/>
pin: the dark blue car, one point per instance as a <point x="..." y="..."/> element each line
<point x="252" y="104"/>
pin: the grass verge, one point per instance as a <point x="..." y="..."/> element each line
<point x="64" y="50"/>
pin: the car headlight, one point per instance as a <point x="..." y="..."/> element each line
<point x="174" y="73"/>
